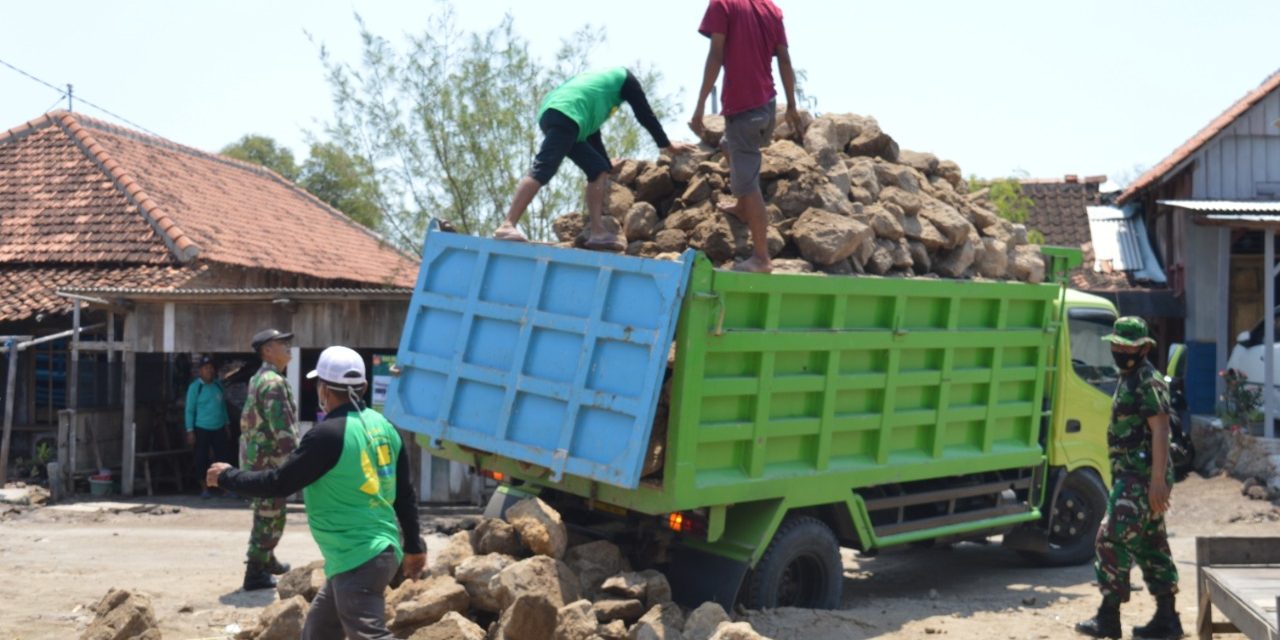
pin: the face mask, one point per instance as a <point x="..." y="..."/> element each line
<point x="1125" y="361"/>
<point x="320" y="398"/>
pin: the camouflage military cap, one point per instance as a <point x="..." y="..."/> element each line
<point x="1130" y="331"/>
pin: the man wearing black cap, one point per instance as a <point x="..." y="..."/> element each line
<point x="206" y="420"/>
<point x="268" y="433"/>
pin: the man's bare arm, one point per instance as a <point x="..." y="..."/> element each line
<point x="710" y="72"/>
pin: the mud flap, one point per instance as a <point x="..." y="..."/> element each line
<point x="698" y="576"/>
<point x="502" y="499"/>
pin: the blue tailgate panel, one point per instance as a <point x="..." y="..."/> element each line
<point x="550" y="356"/>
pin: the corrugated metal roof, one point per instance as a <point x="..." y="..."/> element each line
<point x="1226" y="206"/>
<point x="1121" y="239"/>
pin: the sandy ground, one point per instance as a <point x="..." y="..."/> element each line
<point x="186" y="554"/>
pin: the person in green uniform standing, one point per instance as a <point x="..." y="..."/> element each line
<point x="570" y="118"/>
<point x="1141" y="481"/>
<point x="268" y="433"/>
<point x="354" y="474"/>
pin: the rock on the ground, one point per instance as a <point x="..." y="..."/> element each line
<point x="530" y="617"/>
<point x="537" y="575"/>
<point x="302" y="581"/>
<point x="702" y="623"/>
<point x="593" y="563"/>
<point x="496" y="536"/>
<point x="662" y="622"/>
<point x="475" y="575"/>
<point x="737" y="631"/>
<point x="576" y="621"/>
<point x="453" y="554"/>
<point x="283" y="619"/>
<point x="618" y="609"/>
<point x="438" y="596"/>
<point x="657" y="589"/>
<point x="826" y="238"/>
<point x="123" y="614"/>
<point x="453" y="626"/>
<point x="540" y="527"/>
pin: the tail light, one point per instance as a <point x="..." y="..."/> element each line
<point x="496" y="476"/>
<point x="687" y="522"/>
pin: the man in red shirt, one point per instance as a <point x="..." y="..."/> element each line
<point x="746" y="35"/>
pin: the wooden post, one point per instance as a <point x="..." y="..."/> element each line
<point x="111" y="355"/>
<point x="12" y="351"/>
<point x="1223" y="302"/>
<point x="1269" y="354"/>
<point x="73" y="367"/>
<point x="129" y="447"/>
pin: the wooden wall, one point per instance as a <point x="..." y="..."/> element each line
<point x="228" y="327"/>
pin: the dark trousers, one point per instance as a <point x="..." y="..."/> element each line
<point x="215" y="442"/>
<point x="353" y="603"/>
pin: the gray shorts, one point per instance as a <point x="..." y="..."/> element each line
<point x="744" y="135"/>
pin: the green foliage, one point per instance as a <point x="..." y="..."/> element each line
<point x="44" y="453"/>
<point x="348" y="183"/>
<point x="1009" y="201"/>
<point x="448" y="119"/>
<point x="264" y="151"/>
<point x="1034" y="236"/>
<point x="1238" y="406"/>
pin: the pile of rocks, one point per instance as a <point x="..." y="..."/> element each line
<point x="123" y="615"/>
<point x="518" y="579"/>
<point x="842" y="199"/>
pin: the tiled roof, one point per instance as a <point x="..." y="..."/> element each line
<point x="1202" y="137"/>
<point x="1059" y="210"/>
<point x="151" y="201"/>
<point x="28" y="290"/>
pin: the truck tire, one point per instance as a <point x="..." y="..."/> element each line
<point x="1073" y="524"/>
<point x="801" y="568"/>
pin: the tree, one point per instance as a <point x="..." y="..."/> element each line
<point x="1009" y="201"/>
<point x="348" y="183"/>
<point x="448" y="121"/>
<point x="262" y="150"/>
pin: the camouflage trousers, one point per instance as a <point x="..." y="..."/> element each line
<point x="1130" y="534"/>
<point x="268" y="526"/>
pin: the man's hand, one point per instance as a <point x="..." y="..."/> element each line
<point x="677" y="148"/>
<point x="695" y="123"/>
<point x="617" y="165"/>
<point x="796" y="122"/>
<point x="1158" y="495"/>
<point x="215" y="470"/>
<point x="191" y="438"/>
<point x="413" y="565"/>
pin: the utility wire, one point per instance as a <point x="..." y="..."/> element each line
<point x="64" y="93"/>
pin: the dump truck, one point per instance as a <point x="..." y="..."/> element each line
<point x="735" y="430"/>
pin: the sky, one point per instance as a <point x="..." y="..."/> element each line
<point x="1031" y="88"/>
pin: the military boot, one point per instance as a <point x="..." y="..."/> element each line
<point x="1104" y="625"/>
<point x="277" y="568"/>
<point x="257" y="576"/>
<point x="1165" y="625"/>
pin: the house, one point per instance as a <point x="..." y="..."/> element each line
<point x="122" y="255"/>
<point x="1213" y="206"/>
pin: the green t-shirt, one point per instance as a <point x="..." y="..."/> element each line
<point x="588" y="99"/>
<point x="350" y="507"/>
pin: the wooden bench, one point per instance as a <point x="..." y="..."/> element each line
<point x="1241" y="577"/>
<point x="177" y="460"/>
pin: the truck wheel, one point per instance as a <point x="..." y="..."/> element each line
<point x="801" y="568"/>
<point x="1073" y="525"/>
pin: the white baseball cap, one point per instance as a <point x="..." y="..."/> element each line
<point x="339" y="366"/>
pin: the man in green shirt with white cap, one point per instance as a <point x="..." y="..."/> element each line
<point x="359" y="498"/>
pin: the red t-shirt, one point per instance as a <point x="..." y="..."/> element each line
<point x="753" y="30"/>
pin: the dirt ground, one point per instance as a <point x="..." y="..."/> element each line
<point x="186" y="554"/>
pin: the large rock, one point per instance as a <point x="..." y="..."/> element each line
<point x="954" y="263"/>
<point x="530" y="617"/>
<point x="626" y="585"/>
<point x="619" y="200"/>
<point x="872" y="141"/>
<point x="862" y="175"/>
<point x="569" y="226"/>
<point x="1027" y="264"/>
<point x="663" y="622"/>
<point x="539" y="574"/>
<point x="700" y="190"/>
<point x="831" y="199"/>
<point x="712" y="130"/>
<point x="628" y="171"/>
<point x="923" y="231"/>
<point x="453" y="626"/>
<point x="671" y="241"/>
<point x="540" y="527"/>
<point x="794" y="197"/>
<point x="641" y="222"/>
<point x="302" y="581"/>
<point x="825" y="139"/>
<point x="687" y="220"/>
<point x="654" y="184"/>
<point x="925" y="163"/>
<point x="783" y="130"/>
<point x="881" y="260"/>
<point x="953" y="226"/>
<point x="593" y="563"/>
<point x="886" y="224"/>
<point x="497" y="536"/>
<point x="576" y="621"/>
<point x="714" y="237"/>
<point x="737" y="631"/>
<point x="123" y="614"/>
<point x="439" y="595"/>
<point x="901" y="252"/>
<point x="616" y="630"/>
<point x="785" y="159"/>
<point x="685" y="165"/>
<point x="910" y="203"/>
<point x="476" y="574"/>
<point x="840" y="178"/>
<point x="826" y="238"/>
<point x="702" y="623"/>
<point x="921" y="261"/>
<point x="950" y="171"/>
<point x="657" y="590"/>
<point x="282" y="619"/>
<point x="455" y="551"/>
<point x="994" y="261"/>
<point x="618" y="609"/>
<point x="980" y="217"/>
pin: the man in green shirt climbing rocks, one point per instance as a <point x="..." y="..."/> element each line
<point x="570" y="118"/>
<point x="354" y="473"/>
<point x="1141" y="478"/>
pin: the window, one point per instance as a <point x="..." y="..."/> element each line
<point x="1090" y="356"/>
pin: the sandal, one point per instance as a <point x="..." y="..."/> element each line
<point x="512" y="234"/>
<point x="612" y="245"/>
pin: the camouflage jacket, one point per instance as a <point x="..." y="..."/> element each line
<point x="268" y="422"/>
<point x="1139" y="396"/>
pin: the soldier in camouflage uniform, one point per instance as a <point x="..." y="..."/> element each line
<point x="1141" y="477"/>
<point x="268" y="433"/>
